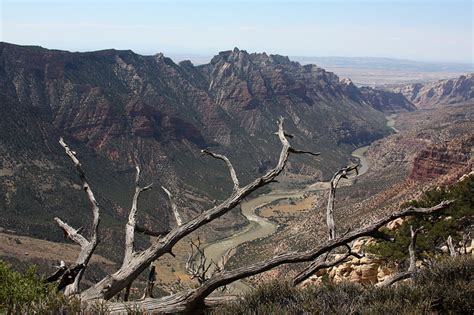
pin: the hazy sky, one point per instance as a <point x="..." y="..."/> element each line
<point x="416" y="29"/>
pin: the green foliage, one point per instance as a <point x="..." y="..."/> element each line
<point x="27" y="293"/>
<point x="455" y="220"/>
<point x="18" y="288"/>
<point x="446" y="287"/>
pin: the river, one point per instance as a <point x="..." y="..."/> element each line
<point x="260" y="227"/>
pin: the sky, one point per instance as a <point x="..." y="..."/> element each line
<point x="422" y="30"/>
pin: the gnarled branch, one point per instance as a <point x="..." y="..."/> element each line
<point x="131" y="225"/>
<point x="342" y="173"/>
<point x="149" y="232"/>
<point x="112" y="284"/>
<point x="226" y="277"/>
<point x="233" y="175"/>
<point x="190" y="299"/>
<point x="87" y="246"/>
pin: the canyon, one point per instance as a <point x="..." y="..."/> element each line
<point x="118" y="109"/>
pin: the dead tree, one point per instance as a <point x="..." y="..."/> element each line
<point x="71" y="277"/>
<point x="197" y="265"/>
<point x="135" y="262"/>
<point x="191" y="299"/>
<point x="412" y="259"/>
<point x="342" y="173"/>
<point x="321" y="262"/>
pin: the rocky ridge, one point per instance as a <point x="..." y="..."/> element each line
<point x="118" y="109"/>
<point x="443" y="92"/>
<point x="388" y="102"/>
<point x="437" y="160"/>
<point x="446" y="132"/>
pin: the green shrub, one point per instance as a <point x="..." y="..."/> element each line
<point x="455" y="220"/>
<point x="27" y="293"/>
<point x="445" y="287"/>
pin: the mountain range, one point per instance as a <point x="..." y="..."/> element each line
<point x="118" y="109"/>
<point x="442" y="92"/>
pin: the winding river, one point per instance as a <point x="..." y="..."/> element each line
<point x="260" y="227"/>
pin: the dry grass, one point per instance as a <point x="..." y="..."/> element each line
<point x="28" y="248"/>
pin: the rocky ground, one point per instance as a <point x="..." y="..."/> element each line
<point x="433" y="147"/>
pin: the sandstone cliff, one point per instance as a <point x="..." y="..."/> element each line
<point x="440" y="93"/>
<point x="437" y="160"/>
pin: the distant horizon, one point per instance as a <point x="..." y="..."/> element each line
<point x="418" y="30"/>
<point x="178" y="57"/>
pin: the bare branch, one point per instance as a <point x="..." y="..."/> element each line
<point x="411" y="248"/>
<point x="304" y="152"/>
<point x="196" y="263"/>
<point x="130" y="227"/>
<point x="452" y="250"/>
<point x="174" y="208"/>
<point x="342" y="173"/>
<point x="87" y="247"/>
<point x="226" y="277"/>
<point x="86" y="187"/>
<point x="72" y="234"/>
<point x="150" y="283"/>
<point x="199" y="267"/>
<point x="395" y="278"/>
<point x="412" y="267"/>
<point x="191" y="299"/>
<point x="233" y="175"/>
